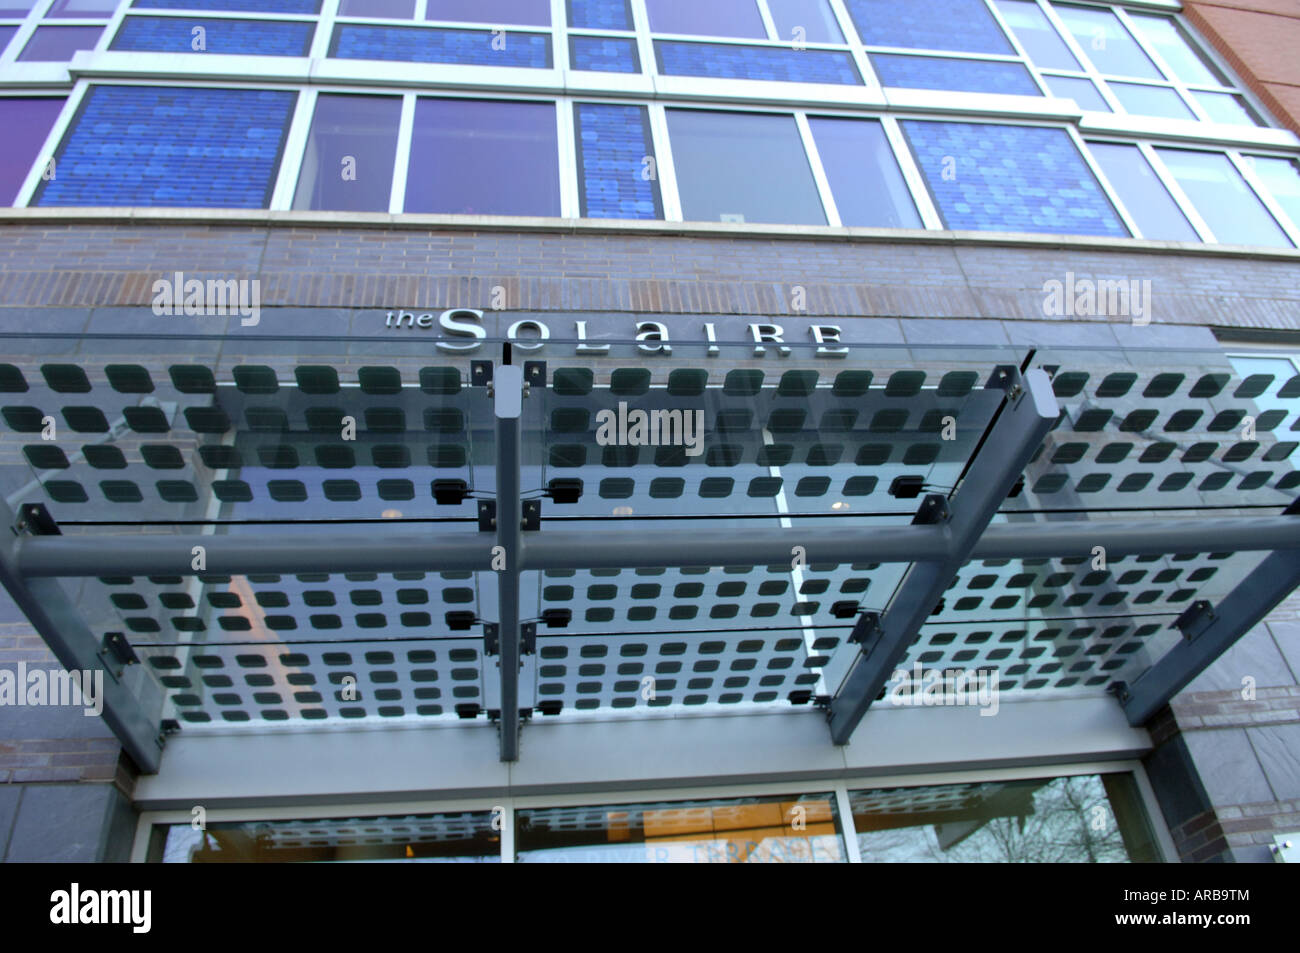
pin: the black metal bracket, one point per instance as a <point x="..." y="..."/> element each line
<point x="867" y="629"/>
<point x="527" y="638"/>
<point x="116" y="653"/>
<point x="933" y="509"/>
<point x="487" y="516"/>
<point x="35" y="520"/>
<point x="532" y="515"/>
<point x="1120" y="690"/>
<point x="535" y="374"/>
<point x="491" y="638"/>
<point x="480" y="373"/>
<point x="1195" y="619"/>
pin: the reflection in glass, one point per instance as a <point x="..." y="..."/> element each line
<point x="1036" y="34"/>
<point x="429" y="838"/>
<point x="1223" y="198"/>
<point x="1227" y="108"/>
<point x="56" y="44"/>
<point x="26" y="123"/>
<point x="1142" y="100"/>
<point x="1282" y="179"/>
<point x="746" y="830"/>
<point x="1086" y="819"/>
<point x="513" y="12"/>
<point x="481" y="157"/>
<point x="393" y="9"/>
<point x="714" y="18"/>
<point x="1082" y="91"/>
<point x="742" y="167"/>
<point x="864" y="176"/>
<point x="1105" y="41"/>
<point x="814" y="17"/>
<point x="82" y="8"/>
<point x="1177" y="51"/>
<point x="1147" y="200"/>
<point x="348" y="163"/>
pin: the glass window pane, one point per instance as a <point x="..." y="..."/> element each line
<point x="813" y="16"/>
<point x="428" y="838"/>
<point x="1147" y="200"/>
<point x="1107" y="43"/>
<point x="26" y="123"/>
<point x="16" y="8"/>
<point x="1050" y="820"/>
<point x="82" y="8"/>
<point x="792" y="828"/>
<point x="864" y="176"/>
<point x="715" y="18"/>
<point x="6" y="34"/>
<point x="393" y="9"/>
<point x="1219" y="193"/>
<point x="1282" y="179"/>
<point x="480" y="157"/>
<point x="56" y="44"/>
<point x="1151" y="101"/>
<point x="1177" y="51"/>
<point x="1082" y="91"/>
<point x="516" y="12"/>
<point x="742" y="167"/>
<point x="348" y="163"/>
<point x="1037" y="35"/>
<point x="1227" y="108"/>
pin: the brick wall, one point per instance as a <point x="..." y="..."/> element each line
<point x="1260" y="39"/>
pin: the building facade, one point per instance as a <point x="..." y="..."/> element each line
<point x="980" y="549"/>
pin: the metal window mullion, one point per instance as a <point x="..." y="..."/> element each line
<point x="1085" y="62"/>
<point x="1176" y="192"/>
<point x="645" y="47"/>
<point x="818" y="170"/>
<point x="324" y="34"/>
<point x="912" y="174"/>
<point x="559" y="36"/>
<point x="111" y="28"/>
<point x="71" y="106"/>
<point x="1247" y="171"/>
<point x="847" y="825"/>
<point x="295" y="145"/>
<point x="402" y="163"/>
<point x="18" y="41"/>
<point x="1115" y="200"/>
<point x="769" y="21"/>
<point x="856" y="48"/>
<point x="566" y="132"/>
<point x="1018" y="47"/>
<point x="665" y="168"/>
<point x="1163" y="67"/>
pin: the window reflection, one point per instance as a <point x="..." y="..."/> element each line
<point x="752" y="830"/>
<point x="1088" y="819"/>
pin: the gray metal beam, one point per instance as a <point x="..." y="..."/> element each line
<point x="1025" y="418"/>
<point x="133" y="702"/>
<point x="508" y="387"/>
<point x="1275" y="578"/>
<point x="396" y="549"/>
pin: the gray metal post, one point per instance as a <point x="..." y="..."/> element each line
<point x="1212" y="632"/>
<point x="134" y="720"/>
<point x="508" y="386"/>
<point x="1026" y="417"/>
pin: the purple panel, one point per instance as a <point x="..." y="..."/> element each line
<point x="350" y="154"/>
<point x="6" y="34"/>
<point x="393" y="9"/>
<point x="88" y="9"/>
<point x="711" y="18"/>
<point x="26" y="123"/>
<point x="512" y="12"/>
<point x="16" y="8"/>
<point x="481" y="157"/>
<point x="57" y="43"/>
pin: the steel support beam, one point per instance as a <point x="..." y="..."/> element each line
<point x="293" y="551"/>
<point x="1241" y="610"/>
<point x="132" y="700"/>
<point x="509" y="386"/>
<point x="1025" y="418"/>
